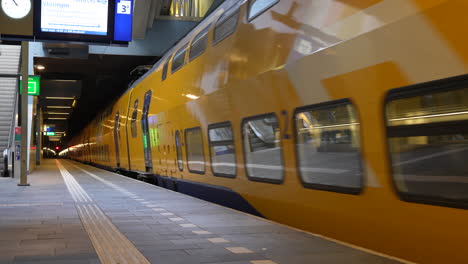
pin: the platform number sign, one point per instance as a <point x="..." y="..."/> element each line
<point x="124" y="7"/>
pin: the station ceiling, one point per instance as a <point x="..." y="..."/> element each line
<point x="81" y="83"/>
<point x="94" y="83"/>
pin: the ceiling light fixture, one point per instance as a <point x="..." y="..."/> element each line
<point x="60" y="98"/>
<point x="56" y="113"/>
<point x="57" y="118"/>
<point x="49" y="106"/>
<point x="40" y="67"/>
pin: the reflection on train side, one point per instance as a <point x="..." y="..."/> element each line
<point x="328" y="147"/>
<point x="428" y="143"/>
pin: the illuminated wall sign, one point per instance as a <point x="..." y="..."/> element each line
<point x="123" y="20"/>
<point x="34" y="85"/>
<point x="49" y="128"/>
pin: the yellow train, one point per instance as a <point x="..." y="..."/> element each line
<point x="346" y="118"/>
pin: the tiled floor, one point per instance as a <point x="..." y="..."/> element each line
<point x="80" y="214"/>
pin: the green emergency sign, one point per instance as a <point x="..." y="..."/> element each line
<point x="50" y="133"/>
<point x="34" y="85"/>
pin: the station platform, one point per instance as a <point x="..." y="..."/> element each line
<point x="74" y="213"/>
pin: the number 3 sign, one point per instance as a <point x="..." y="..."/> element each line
<point x="124" y="7"/>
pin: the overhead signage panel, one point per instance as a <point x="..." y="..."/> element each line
<point x="87" y="21"/>
<point x="91" y="21"/>
<point x="123" y="20"/>
<point x="89" y="17"/>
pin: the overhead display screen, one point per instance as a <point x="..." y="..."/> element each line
<point x="89" y="21"/>
<point x="89" y="17"/>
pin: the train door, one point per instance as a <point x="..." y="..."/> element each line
<point x="172" y="152"/>
<point x="159" y="148"/>
<point x="168" y="149"/>
<point x="117" y="138"/>
<point x="145" y="132"/>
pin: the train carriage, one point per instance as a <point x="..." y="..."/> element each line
<point x="344" y="118"/>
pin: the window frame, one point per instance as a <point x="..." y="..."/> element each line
<point x="183" y="50"/>
<point x="165" y="70"/>
<point x="283" y="171"/>
<point x="187" y="153"/>
<point x="446" y="84"/>
<point x="203" y="33"/>
<point x="180" y="165"/>
<point x="133" y="121"/>
<point x="234" y="11"/>
<point x="249" y="3"/>
<point x="325" y="187"/>
<point x="220" y="125"/>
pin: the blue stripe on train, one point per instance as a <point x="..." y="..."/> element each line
<point x="216" y="194"/>
<point x="212" y="193"/>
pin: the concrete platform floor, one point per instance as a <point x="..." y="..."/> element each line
<point x="73" y="213"/>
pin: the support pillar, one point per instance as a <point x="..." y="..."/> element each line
<point x="24" y="114"/>
<point x="38" y="134"/>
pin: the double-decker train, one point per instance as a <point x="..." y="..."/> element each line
<point x="345" y="118"/>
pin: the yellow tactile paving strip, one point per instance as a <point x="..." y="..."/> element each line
<point x="110" y="244"/>
<point x="172" y="217"/>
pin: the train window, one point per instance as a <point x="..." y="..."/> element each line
<point x="133" y="125"/>
<point x="194" y="149"/>
<point x="223" y="156"/>
<point x="328" y="147"/>
<point x="257" y="7"/>
<point x="179" y="59"/>
<point x="226" y="25"/>
<point x="427" y="128"/>
<point x="199" y="44"/>
<point x="262" y="148"/>
<point x="164" y="70"/>
<point x="180" y="162"/>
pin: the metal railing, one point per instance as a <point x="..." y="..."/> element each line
<point x="8" y="153"/>
<point x="189" y="8"/>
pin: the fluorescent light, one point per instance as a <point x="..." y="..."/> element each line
<point x="58" y="106"/>
<point x="40" y="67"/>
<point x="57" y="118"/>
<point x="191" y="96"/>
<point x="56" y="113"/>
<point x="60" y="98"/>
